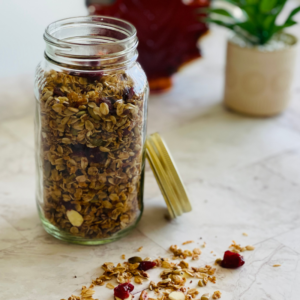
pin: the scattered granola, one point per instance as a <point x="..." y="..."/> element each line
<point x="140" y="249"/>
<point x="174" y="276"/>
<point x="205" y="296"/>
<point x="245" y="234"/>
<point x="250" y="248"/>
<point x="277" y="265"/>
<point x="177" y="296"/>
<point x="187" y="242"/>
<point x="110" y="286"/>
<point x="87" y="293"/>
<point x="238" y="248"/>
<point x="123" y="256"/>
<point x="216" y="295"/>
<point x="144" y="295"/>
<point x="92" y="131"/>
<point x="178" y="253"/>
<point x="122" y="291"/>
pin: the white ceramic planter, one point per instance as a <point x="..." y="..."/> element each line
<point x="259" y="83"/>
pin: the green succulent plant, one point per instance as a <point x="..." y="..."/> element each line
<point x="258" y="24"/>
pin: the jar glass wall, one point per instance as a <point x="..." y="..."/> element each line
<point x="91" y="111"/>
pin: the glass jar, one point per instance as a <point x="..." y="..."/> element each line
<point x="91" y="111"/>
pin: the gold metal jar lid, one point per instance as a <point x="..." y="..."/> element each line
<point x="167" y="176"/>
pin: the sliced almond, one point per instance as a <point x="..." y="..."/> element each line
<point x="75" y="218"/>
<point x="176" y="296"/>
<point x="129" y="298"/>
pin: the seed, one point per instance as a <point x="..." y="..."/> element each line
<point x="201" y="283"/>
<point x="250" y="248"/>
<point x="110" y="286"/>
<point x="66" y="141"/>
<point x="104" y="109"/>
<point x="74" y="230"/>
<point x="103" y="149"/>
<point x="197" y="251"/>
<point x="205" y="296"/>
<point x="89" y="125"/>
<point x="276" y="266"/>
<point x="187" y="242"/>
<point x="193" y="292"/>
<point x="138" y="280"/>
<point x="135" y="259"/>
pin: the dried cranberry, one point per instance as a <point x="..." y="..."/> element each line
<point x="105" y="100"/>
<point x="232" y="260"/>
<point x="67" y="205"/>
<point x="126" y="131"/>
<point x="146" y="265"/>
<point x="128" y="93"/>
<point x="123" y="290"/>
<point x="96" y="156"/>
<point x="57" y="92"/>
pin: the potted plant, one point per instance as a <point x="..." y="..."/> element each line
<point x="260" y="56"/>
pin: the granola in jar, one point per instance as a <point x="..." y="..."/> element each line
<point x="90" y="136"/>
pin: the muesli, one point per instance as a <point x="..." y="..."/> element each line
<point x="92" y="128"/>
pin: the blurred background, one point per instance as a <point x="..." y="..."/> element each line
<point x="202" y="82"/>
<point x="22" y="26"/>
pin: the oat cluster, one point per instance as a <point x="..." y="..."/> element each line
<point x="175" y="276"/>
<point x="92" y="132"/>
<point x="123" y="272"/>
<point x="234" y="247"/>
<point x="183" y="254"/>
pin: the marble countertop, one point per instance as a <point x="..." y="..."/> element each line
<point x="242" y="175"/>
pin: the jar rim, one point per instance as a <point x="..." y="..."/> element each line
<point x="91" y="41"/>
<point x="48" y="36"/>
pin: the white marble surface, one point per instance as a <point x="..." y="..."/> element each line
<point x="242" y="174"/>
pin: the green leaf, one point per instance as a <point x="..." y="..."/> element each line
<point x="269" y="22"/>
<point x="249" y="27"/>
<point x="234" y="2"/>
<point x="289" y="21"/>
<point x="292" y="14"/>
<point x="267" y="5"/>
<point x="251" y="2"/>
<point x="219" y="22"/>
<point x="220" y="11"/>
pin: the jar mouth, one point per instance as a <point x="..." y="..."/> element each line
<point x="90" y="41"/>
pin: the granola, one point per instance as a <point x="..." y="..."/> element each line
<point x="238" y="248"/>
<point x="92" y="137"/>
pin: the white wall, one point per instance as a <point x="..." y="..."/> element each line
<point x="22" y="24"/>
